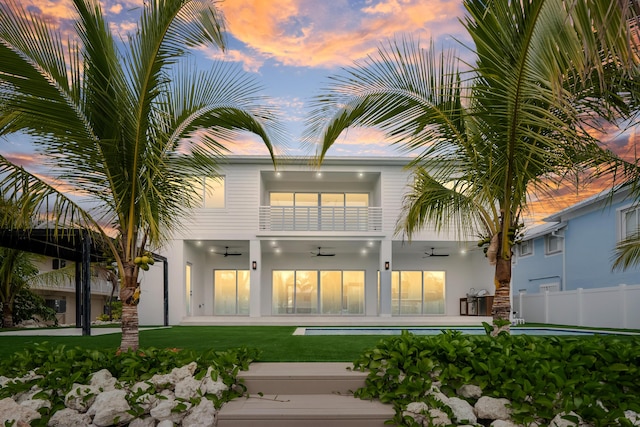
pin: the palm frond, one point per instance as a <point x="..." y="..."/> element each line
<point x="627" y="253"/>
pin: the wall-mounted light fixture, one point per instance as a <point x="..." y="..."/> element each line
<point x="386" y="265"/>
<point x="254" y="264"/>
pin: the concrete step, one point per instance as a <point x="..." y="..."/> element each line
<point x="306" y="410"/>
<point x="302" y="378"/>
<point x="302" y="395"/>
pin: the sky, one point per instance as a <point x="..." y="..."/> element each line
<point x="293" y="46"/>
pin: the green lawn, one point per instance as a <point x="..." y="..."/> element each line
<point x="276" y="343"/>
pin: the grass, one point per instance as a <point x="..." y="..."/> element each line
<point x="276" y="343"/>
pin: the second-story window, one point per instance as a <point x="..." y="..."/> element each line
<point x="553" y="244"/>
<point x="525" y="248"/>
<point x="214" y="192"/>
<point x="630" y="223"/>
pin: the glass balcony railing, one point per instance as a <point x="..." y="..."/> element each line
<point x="320" y="218"/>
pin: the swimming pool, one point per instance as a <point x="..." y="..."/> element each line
<point x="468" y="330"/>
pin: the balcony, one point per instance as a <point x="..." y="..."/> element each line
<point x="320" y="218"/>
<point x="98" y="287"/>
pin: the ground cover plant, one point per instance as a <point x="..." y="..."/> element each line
<point x="596" y="377"/>
<point x="56" y="369"/>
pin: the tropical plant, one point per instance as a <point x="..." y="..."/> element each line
<point x="517" y="121"/>
<point x="28" y="305"/>
<point x="127" y="125"/>
<point x="16" y="268"/>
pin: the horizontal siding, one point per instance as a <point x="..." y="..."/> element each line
<point x="245" y="192"/>
<point x="239" y="217"/>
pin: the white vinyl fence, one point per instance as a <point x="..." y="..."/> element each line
<point x="612" y="307"/>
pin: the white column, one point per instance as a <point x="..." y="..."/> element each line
<point x="385" y="278"/>
<point x="255" y="286"/>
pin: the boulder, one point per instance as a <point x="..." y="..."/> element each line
<point x="69" y="418"/>
<point x="570" y="419"/>
<point x="164" y="411"/>
<point x="439" y="418"/>
<point x="110" y="407"/>
<point x="211" y="386"/>
<point x="11" y="413"/>
<point x="103" y="380"/>
<point x="187" y="388"/>
<point x="143" y="422"/>
<point x="462" y="410"/>
<point x="469" y="391"/>
<point x="491" y="408"/>
<point x="81" y="397"/>
<point x="202" y="415"/>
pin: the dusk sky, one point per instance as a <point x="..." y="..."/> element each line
<point x="292" y="46"/>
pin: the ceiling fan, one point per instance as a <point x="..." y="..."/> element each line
<point x="320" y="253"/>
<point x="226" y="252"/>
<point x="433" y="254"/>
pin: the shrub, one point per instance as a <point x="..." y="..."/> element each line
<point x="540" y="375"/>
<point x="28" y="305"/>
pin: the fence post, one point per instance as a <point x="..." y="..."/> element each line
<point x="623" y="305"/>
<point x="580" y="303"/>
<point x="546" y="306"/>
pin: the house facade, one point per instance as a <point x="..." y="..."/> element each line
<point x="61" y="297"/>
<point x="563" y="268"/>
<point x="575" y="248"/>
<point x="300" y="244"/>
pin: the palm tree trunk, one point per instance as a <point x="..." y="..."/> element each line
<point x="130" y="337"/>
<point x="7" y="315"/>
<point x="501" y="300"/>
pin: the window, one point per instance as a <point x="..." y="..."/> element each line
<point x="553" y="244"/>
<point x="231" y="292"/>
<point x="525" y="248"/>
<point x="630" y="222"/>
<point x="331" y="292"/>
<point x="214" y="192"/>
<point x="417" y="292"/>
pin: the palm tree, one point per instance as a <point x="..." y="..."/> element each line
<point x="16" y="269"/>
<point x="126" y="125"/>
<point x="517" y="121"/>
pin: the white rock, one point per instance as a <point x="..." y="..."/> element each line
<point x="165" y="423"/>
<point x="418" y="407"/>
<point x="164" y="411"/>
<point x="36" y="404"/>
<point x="11" y="412"/>
<point x="69" y="418"/>
<point x="103" y="380"/>
<point x="178" y="374"/>
<point x="462" y="410"/>
<point x="140" y="386"/>
<point x="202" y="415"/>
<point x="211" y="386"/>
<point x="143" y="422"/>
<point x="439" y="418"/>
<point x="490" y="408"/>
<point x="470" y="391"/>
<point x="187" y="388"/>
<point x="503" y="423"/>
<point x="81" y="397"/>
<point x="560" y="420"/>
<point x="417" y="411"/>
<point x="147" y="402"/>
<point x="632" y="416"/>
<point x="4" y="380"/>
<point x="110" y="408"/>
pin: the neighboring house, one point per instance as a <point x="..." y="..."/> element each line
<point x="62" y="297"/>
<point x="571" y="257"/>
<point x="302" y="244"/>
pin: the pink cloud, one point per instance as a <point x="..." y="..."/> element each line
<point x="328" y="34"/>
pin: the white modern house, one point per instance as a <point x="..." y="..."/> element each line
<point x="563" y="268"/>
<point x="305" y="245"/>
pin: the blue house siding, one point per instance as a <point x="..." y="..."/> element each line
<point x="591" y="232"/>
<point x="537" y="269"/>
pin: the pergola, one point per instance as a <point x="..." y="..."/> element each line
<point x="72" y="245"/>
